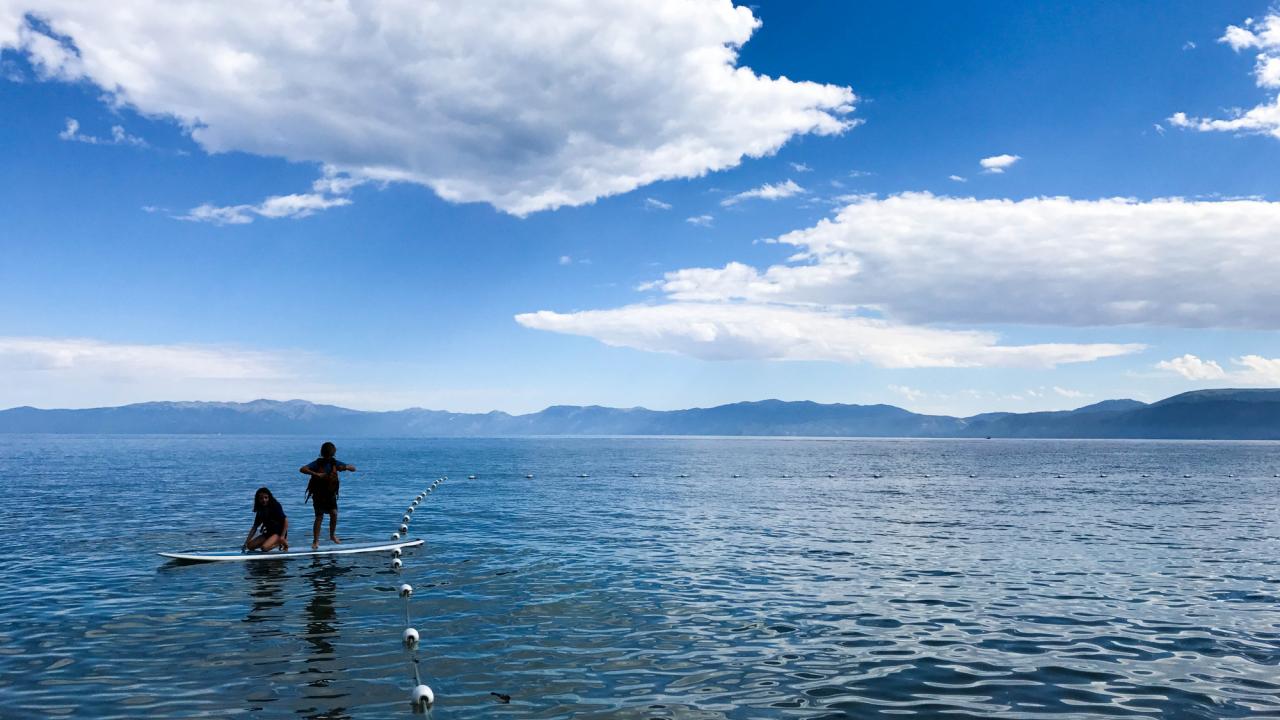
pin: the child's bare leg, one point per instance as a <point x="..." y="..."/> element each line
<point x="269" y="544"/>
<point x="333" y="526"/>
<point x="315" y="532"/>
<point x="255" y="543"/>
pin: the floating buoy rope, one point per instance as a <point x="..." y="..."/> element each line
<point x="422" y="698"/>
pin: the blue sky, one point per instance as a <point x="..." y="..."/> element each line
<point x="488" y="208"/>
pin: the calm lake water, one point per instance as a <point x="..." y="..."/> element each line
<point x="967" y="578"/>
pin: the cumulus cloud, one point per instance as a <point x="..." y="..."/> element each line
<point x="921" y="258"/>
<point x="957" y="178"/>
<point x="722" y="331"/>
<point x="526" y="106"/>
<point x="874" y="282"/>
<point x="997" y="164"/>
<point x="1249" y="370"/>
<point x="800" y="167"/>
<point x="1193" y="368"/>
<point x="118" y="136"/>
<point x="768" y="191"/>
<point x="1264" y="36"/>
<point x="655" y="204"/>
<point x="700" y="220"/>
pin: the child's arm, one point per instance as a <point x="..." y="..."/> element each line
<point x="306" y="470"/>
<point x="347" y="468"/>
<point x="250" y="535"/>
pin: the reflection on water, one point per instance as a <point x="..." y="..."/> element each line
<point x="926" y="578"/>
<point x="266" y="587"/>
<point x="323" y="666"/>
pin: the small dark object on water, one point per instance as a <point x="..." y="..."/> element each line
<point x="500" y="696"/>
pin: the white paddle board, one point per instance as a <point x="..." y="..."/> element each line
<point x="297" y="551"/>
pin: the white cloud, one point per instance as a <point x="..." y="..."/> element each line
<point x="800" y="167"/>
<point x="910" y="393"/>
<point x="723" y="331"/>
<point x="1251" y="370"/>
<point x="118" y="136"/>
<point x="997" y="164"/>
<point x="860" y="173"/>
<point x="1193" y="368"/>
<point x="655" y="204"/>
<point x="1069" y="393"/>
<point x="1264" y="118"/>
<point x="566" y="260"/>
<point x="700" y="220"/>
<point x="527" y="107"/>
<point x="1158" y="128"/>
<point x="957" y="178"/>
<point x="768" y="191"/>
<point x="1257" y="370"/>
<point x="327" y="192"/>
<point x="71" y="372"/>
<point x="921" y="258"/>
<point x="273" y="208"/>
<point x="1189" y="45"/>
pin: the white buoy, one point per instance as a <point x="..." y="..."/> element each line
<point x="395" y="536"/>
<point x="1186" y="476"/>
<point x="927" y="475"/>
<point x="446" y="477"/>
<point x="831" y="475"/>
<point x="406" y="590"/>
<point x="405" y="519"/>
<point x="409" y="511"/>
<point x="635" y="474"/>
<point x="973" y="475"/>
<point x="1102" y="475"/>
<point x="1058" y="476"/>
<point x="582" y="475"/>
<point x="1145" y="475"/>
<point x="471" y="477"/>
<point x="736" y="475"/>
<point x="404" y="528"/>
<point x="395" y="553"/>
<point x="877" y="475"/>
<point x="396" y="564"/>
<point x="410" y="638"/>
<point x="529" y="476"/>
<point x="423" y="698"/>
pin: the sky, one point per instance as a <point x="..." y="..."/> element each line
<point x="950" y="207"/>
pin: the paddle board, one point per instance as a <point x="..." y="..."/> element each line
<point x="297" y="551"/>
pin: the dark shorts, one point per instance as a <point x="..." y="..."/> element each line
<point x="324" y="503"/>
<point x="268" y="532"/>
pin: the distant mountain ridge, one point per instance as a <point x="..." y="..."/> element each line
<point x="1200" y="414"/>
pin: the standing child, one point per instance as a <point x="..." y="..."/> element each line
<point x="323" y="490"/>
<point x="268" y="515"/>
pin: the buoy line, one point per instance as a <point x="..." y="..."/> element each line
<point x="422" y="697"/>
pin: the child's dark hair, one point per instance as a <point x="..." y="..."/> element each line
<point x="328" y="450"/>
<point x="270" y="499"/>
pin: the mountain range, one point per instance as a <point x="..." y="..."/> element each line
<point x="1201" y="414"/>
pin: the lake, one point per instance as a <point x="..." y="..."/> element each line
<point x="830" y="579"/>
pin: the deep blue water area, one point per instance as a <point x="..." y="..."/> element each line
<point x="829" y="579"/>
